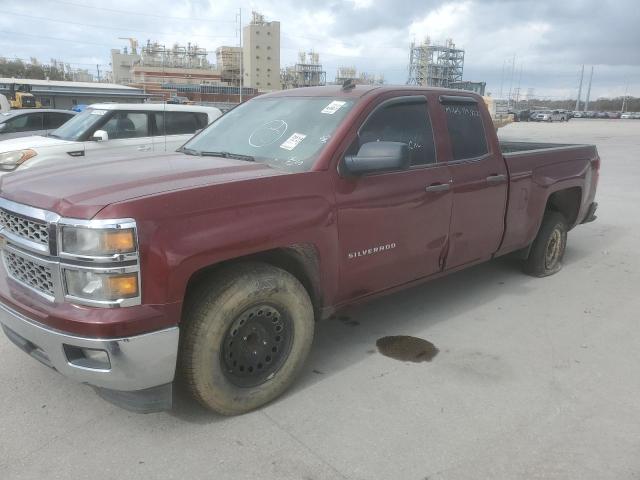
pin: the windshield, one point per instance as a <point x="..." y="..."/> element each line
<point x="76" y="128"/>
<point x="283" y="132"/>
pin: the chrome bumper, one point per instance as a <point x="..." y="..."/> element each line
<point x="121" y="364"/>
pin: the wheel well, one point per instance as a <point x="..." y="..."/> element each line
<point x="301" y="261"/>
<point x="567" y="202"/>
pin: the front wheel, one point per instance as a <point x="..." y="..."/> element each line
<point x="247" y="332"/>
<point x="547" y="251"/>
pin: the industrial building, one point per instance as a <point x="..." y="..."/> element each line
<point x="66" y="95"/>
<point x="435" y="65"/>
<point x="154" y="61"/>
<point x="476" y="87"/>
<point x="261" y="54"/>
<point x="229" y="63"/>
<point x="308" y="72"/>
<point x="344" y="74"/>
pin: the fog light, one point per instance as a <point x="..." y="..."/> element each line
<point x="92" y="358"/>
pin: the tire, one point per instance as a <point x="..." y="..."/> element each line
<point x="247" y="332"/>
<point x="547" y="250"/>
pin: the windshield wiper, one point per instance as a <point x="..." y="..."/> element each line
<point x="237" y="156"/>
<point x="190" y="151"/>
<point x="54" y="135"/>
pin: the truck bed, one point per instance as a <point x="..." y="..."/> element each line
<point x="520" y="147"/>
<point x="536" y="170"/>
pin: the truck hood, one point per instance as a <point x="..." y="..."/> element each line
<point x="34" y="141"/>
<point x="80" y="189"/>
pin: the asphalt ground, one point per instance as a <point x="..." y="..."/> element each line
<point x="533" y="378"/>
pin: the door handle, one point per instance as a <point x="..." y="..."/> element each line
<point x="437" y="187"/>
<point x="496" y="178"/>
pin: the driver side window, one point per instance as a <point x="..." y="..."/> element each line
<point x="127" y="125"/>
<point x="406" y="122"/>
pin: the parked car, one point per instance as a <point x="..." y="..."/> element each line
<point x="543" y="116"/>
<point x="534" y="114"/>
<point x="114" y="128"/>
<point x="220" y="258"/>
<point x="602" y="115"/>
<point x="626" y="115"/>
<point x="578" y="114"/>
<point x="614" y="114"/>
<point x="27" y="122"/>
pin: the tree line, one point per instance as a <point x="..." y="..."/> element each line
<point x="34" y="70"/>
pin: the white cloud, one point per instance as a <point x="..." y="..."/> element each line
<point x="551" y="39"/>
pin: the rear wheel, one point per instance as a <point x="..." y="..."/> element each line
<point x="246" y="335"/>
<point x="547" y="251"/>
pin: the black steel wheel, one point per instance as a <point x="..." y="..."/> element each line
<point x="547" y="250"/>
<point x="256" y="345"/>
<point x="244" y="337"/>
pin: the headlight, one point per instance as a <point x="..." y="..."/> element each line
<point x="11" y="160"/>
<point x="101" y="286"/>
<point x="97" y="242"/>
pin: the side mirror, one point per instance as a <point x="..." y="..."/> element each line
<point x="3" y="127"/>
<point x="376" y="157"/>
<point x="100" y="136"/>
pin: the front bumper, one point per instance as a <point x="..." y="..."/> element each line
<point x="590" y="216"/>
<point x="139" y="363"/>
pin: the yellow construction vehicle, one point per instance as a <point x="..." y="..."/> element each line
<point x="21" y="97"/>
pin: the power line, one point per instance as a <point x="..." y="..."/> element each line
<point x="109" y="28"/>
<point x="28" y="61"/>
<point x="56" y="39"/>
<point x="128" y="12"/>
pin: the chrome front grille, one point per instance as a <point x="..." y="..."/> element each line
<point x="26" y="271"/>
<point x="29" y="229"/>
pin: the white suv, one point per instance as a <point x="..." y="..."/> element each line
<point x="113" y="128"/>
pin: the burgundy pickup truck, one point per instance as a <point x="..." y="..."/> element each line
<point x="211" y="265"/>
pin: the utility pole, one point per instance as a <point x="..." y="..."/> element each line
<point x="580" y="90"/>
<point x="624" y="99"/>
<point x="98" y="70"/>
<point x="518" y="89"/>
<point x="504" y="62"/>
<point x="586" y="103"/>
<point x="513" y="71"/>
<point x="241" y="51"/>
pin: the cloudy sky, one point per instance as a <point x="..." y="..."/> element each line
<point x="550" y="39"/>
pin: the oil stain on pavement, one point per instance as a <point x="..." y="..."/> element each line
<point x="407" y="349"/>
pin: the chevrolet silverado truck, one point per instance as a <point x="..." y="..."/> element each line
<point x="210" y="266"/>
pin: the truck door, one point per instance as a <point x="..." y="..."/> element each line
<point x="393" y="226"/>
<point x="479" y="183"/>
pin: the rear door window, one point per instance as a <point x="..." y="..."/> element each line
<point x="24" y="123"/>
<point x="178" y="123"/>
<point x="466" y="130"/>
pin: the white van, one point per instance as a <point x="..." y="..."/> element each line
<point x="113" y="128"/>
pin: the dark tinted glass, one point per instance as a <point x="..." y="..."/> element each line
<point x="177" y="123"/>
<point x="24" y="123"/>
<point x="466" y="130"/>
<point x="403" y="122"/>
<point x="54" y="120"/>
<point x="202" y="119"/>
